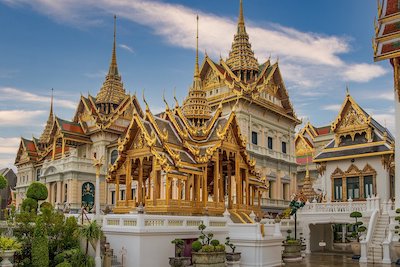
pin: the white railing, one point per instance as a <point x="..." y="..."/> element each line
<point x="371" y="204"/>
<point x="271" y="153"/>
<point x="368" y="239"/>
<point x="269" y="202"/>
<point x="145" y="221"/>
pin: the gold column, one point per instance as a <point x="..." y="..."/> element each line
<point x="221" y="180"/>
<point x="238" y="179"/>
<point x="128" y="181"/>
<point x="179" y="191"/>
<point x="216" y="175"/>
<point x="204" y="187"/>
<point x="63" y="148"/>
<point x="117" y="191"/>
<point x="197" y="189"/>
<point x="140" y="181"/>
<point x="361" y="185"/>
<point x="229" y="185"/>
<point x="54" y="148"/>
<point x="344" y="186"/>
<point x="156" y="182"/>
<point x="167" y="189"/>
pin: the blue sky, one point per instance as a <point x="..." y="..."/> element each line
<point x="322" y="47"/>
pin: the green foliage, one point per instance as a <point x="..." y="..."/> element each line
<point x="293" y="242"/>
<point x="179" y="246"/>
<point x="205" y="238"/>
<point x="398" y="210"/>
<point x="75" y="258"/>
<point x="229" y="244"/>
<point x="90" y="232"/>
<point x="359" y="228"/>
<point x="64" y="264"/>
<point x="220" y="248"/>
<point x="214" y="242"/>
<point x="46" y="205"/>
<point x="3" y="182"/>
<point x="9" y="243"/>
<point x="66" y="255"/>
<point x="37" y="191"/>
<point x="355" y="214"/>
<point x="208" y="248"/>
<point x="29" y="205"/>
<point x="295" y="205"/>
<point x="196" y="246"/>
<point x="40" y="245"/>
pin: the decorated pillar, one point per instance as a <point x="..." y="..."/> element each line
<point x="140" y="182"/>
<point x="216" y="181"/>
<point x="229" y="185"/>
<point x="117" y="190"/>
<point x="128" y="181"/>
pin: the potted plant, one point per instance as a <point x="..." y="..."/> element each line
<point x="8" y="246"/>
<point x="292" y="249"/>
<point x="179" y="260"/>
<point x="232" y="256"/>
<point x="358" y="229"/>
<point x="397" y="231"/>
<point x="207" y="251"/>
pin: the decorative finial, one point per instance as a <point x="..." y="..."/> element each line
<point x="165" y="101"/>
<point x="51" y="103"/>
<point x="176" y="100"/>
<point x="347" y="90"/>
<point x="241" y="27"/>
<point x="196" y="71"/>
<point x="144" y="100"/>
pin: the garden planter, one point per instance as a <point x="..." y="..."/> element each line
<point x="208" y="259"/>
<point x="6" y="255"/>
<point x="179" y="261"/>
<point x="291" y="253"/>
<point x="233" y="256"/>
<point x="356" y="248"/>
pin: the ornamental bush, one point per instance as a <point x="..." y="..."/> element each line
<point x="214" y="242"/>
<point x="196" y="246"/>
<point x="46" y="205"/>
<point x="40" y="245"/>
<point x="3" y="182"/>
<point x="64" y="264"/>
<point x="37" y="191"/>
<point x="29" y="205"/>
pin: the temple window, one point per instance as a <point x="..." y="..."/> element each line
<point x="114" y="156"/>
<point x="254" y="138"/>
<point x="353" y="188"/>
<point x="122" y="194"/>
<point x="38" y="175"/>
<point x="368" y="186"/>
<point x="112" y="197"/>
<point x="284" y="147"/>
<point x="66" y="193"/>
<point x="337" y="189"/>
<point x="270" y="143"/>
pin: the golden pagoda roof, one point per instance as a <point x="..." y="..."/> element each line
<point x="45" y="137"/>
<point x="241" y="57"/>
<point x="195" y="106"/>
<point x="307" y="188"/>
<point x="112" y="91"/>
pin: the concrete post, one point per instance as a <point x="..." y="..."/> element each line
<point x="386" y="252"/>
<point x="277" y="230"/>
<point x="98" y="164"/>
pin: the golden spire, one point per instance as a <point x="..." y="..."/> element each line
<point x="307" y="188"/>
<point x="112" y="92"/>
<point x="195" y="106"/>
<point x="44" y="138"/>
<point x="241" y="58"/>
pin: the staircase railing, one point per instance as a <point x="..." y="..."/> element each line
<point x="366" y="242"/>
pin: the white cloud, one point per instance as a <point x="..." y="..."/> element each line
<point x="332" y="107"/>
<point x="315" y="55"/>
<point x="9" y="145"/>
<point x="387" y="95"/>
<point x="127" y="48"/>
<point x="363" y="72"/>
<point x="385" y="119"/>
<point x="19" y="117"/>
<point x="98" y="74"/>
<point x="14" y="94"/>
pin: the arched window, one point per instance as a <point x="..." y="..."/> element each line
<point x="114" y="156"/>
<point x="66" y="193"/>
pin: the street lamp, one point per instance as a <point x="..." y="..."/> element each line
<point x="98" y="163"/>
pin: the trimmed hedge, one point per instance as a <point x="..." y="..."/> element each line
<point x="3" y="182"/>
<point x="37" y="191"/>
<point x="40" y="245"/>
<point x="29" y="205"/>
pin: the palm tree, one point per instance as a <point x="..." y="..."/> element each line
<point x="90" y="232"/>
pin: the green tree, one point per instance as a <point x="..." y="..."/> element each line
<point x="29" y="205"/>
<point x="90" y="232"/>
<point x="37" y="191"/>
<point x="3" y="182"/>
<point x="40" y="245"/>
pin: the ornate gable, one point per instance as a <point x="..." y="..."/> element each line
<point x="338" y="172"/>
<point x="353" y="170"/>
<point x="302" y="146"/>
<point x="351" y="120"/>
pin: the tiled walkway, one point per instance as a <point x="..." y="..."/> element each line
<point x="329" y="260"/>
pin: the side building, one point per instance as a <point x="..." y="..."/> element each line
<point x="263" y="109"/>
<point x="62" y="158"/>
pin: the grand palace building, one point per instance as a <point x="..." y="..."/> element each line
<point x="237" y="121"/>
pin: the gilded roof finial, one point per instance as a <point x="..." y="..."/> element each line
<point x="165" y="101"/>
<point x="347" y="90"/>
<point x="113" y="70"/>
<point x="144" y="100"/>
<point x="241" y="26"/>
<point x="44" y="138"/>
<point x="176" y="100"/>
<point x="196" y="69"/>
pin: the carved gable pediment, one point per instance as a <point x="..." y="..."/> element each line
<point x="338" y="172"/>
<point x="368" y="169"/>
<point x="353" y="170"/>
<point x="211" y="78"/>
<point x="303" y="147"/>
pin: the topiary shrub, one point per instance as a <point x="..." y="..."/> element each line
<point x="29" y="205"/>
<point x="37" y="191"/>
<point x="3" y="182"/>
<point x="46" y="205"/>
<point x="359" y="228"/>
<point x="196" y="246"/>
<point x="220" y="248"/>
<point x="214" y="242"/>
<point x="208" y="248"/>
<point x="40" y="245"/>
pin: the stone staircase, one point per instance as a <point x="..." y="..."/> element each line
<point x="375" y="253"/>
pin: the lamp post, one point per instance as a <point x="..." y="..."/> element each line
<point x="98" y="163"/>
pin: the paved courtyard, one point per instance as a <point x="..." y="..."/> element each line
<point x="329" y="260"/>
